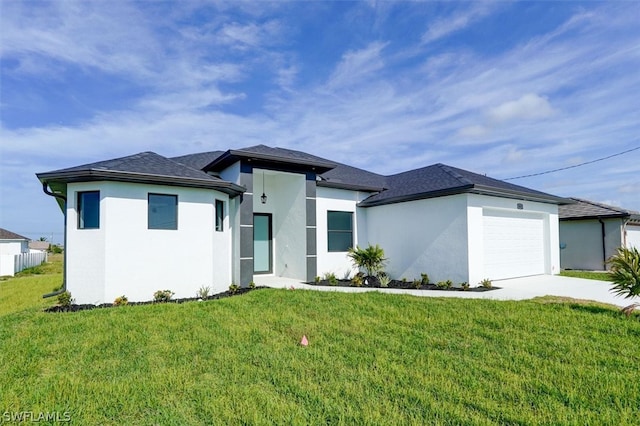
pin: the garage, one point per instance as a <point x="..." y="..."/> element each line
<point x="633" y="236"/>
<point x="513" y="244"/>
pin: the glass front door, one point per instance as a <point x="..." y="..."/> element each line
<point x="262" y="244"/>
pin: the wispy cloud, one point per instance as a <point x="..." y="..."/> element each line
<point x="458" y="21"/>
<point x="564" y="96"/>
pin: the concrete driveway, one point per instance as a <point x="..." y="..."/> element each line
<point x="555" y="285"/>
<point x="511" y="289"/>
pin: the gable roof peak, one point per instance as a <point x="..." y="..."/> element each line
<point x="8" y="235"/>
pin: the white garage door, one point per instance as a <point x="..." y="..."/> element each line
<point x="513" y="244"/>
<point x="633" y="236"/>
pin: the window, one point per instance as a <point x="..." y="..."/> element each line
<point x="163" y="211"/>
<point x="88" y="210"/>
<point x="219" y="215"/>
<point x="340" y="230"/>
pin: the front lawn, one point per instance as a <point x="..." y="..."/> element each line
<point x="589" y="275"/>
<point x="372" y="359"/>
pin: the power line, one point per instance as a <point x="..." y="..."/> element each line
<point x="575" y="165"/>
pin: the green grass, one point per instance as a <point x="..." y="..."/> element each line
<point x="26" y="289"/>
<point x="590" y="275"/>
<point x="372" y="359"/>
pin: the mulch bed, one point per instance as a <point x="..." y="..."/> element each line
<point x="373" y="282"/>
<point x="76" y="308"/>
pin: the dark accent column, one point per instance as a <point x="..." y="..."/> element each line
<point x="312" y="258"/>
<point x="246" y="225"/>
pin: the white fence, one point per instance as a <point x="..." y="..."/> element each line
<point x="10" y="264"/>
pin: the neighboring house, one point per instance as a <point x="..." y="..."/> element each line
<point x="14" y="253"/>
<point x="591" y="232"/>
<point x="146" y="222"/>
<point x="12" y="243"/>
<point x="39" y="245"/>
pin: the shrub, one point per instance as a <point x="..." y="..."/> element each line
<point x="371" y="259"/>
<point x="486" y="283"/>
<point x="162" y="296"/>
<point x="121" y="301"/>
<point x="384" y="280"/>
<point x="203" y="292"/>
<point x="424" y="278"/>
<point x="64" y="299"/>
<point x="55" y="249"/>
<point x="234" y="288"/>
<point x="417" y="283"/>
<point x="357" y="280"/>
<point x="317" y="279"/>
<point x="464" y="285"/>
<point x="625" y="272"/>
<point x="444" y="284"/>
<point x="252" y="285"/>
<point x="331" y="277"/>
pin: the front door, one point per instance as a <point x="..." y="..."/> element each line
<point x="262" y="244"/>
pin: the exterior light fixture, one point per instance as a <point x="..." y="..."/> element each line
<point x="263" y="197"/>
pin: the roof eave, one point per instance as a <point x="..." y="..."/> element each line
<point x="595" y="216"/>
<point x="519" y="195"/>
<point x="133" y="177"/>
<point x="352" y="187"/>
<point x="414" y="197"/>
<point x="232" y="156"/>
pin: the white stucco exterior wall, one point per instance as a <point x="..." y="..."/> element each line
<point x="14" y="246"/>
<point x="123" y="257"/>
<point x="423" y="236"/>
<point x="332" y="199"/>
<point x="86" y="251"/>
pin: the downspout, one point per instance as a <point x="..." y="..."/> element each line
<point x="604" y="245"/>
<point x="64" y="254"/>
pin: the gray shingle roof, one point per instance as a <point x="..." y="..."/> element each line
<point x="348" y="177"/>
<point x="8" y="235"/>
<point x="198" y="161"/>
<point x="440" y="179"/>
<point x="427" y="182"/>
<point x="585" y="209"/>
<point x="146" y="167"/>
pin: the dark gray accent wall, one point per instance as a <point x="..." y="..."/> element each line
<point x="311" y="241"/>
<point x="246" y="272"/>
<point x="312" y="259"/>
<point x="246" y="242"/>
<point x="311" y="212"/>
<point x="246" y="209"/>
<point x="246" y="225"/>
<point x="311" y="187"/>
<point x="312" y="268"/>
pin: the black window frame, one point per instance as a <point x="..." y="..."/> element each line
<point x="219" y="215"/>
<point x="341" y="232"/>
<point x="81" y="209"/>
<point x="149" y="212"/>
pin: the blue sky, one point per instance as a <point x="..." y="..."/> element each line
<point x="500" y="88"/>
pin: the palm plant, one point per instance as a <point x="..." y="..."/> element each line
<point x="371" y="259"/>
<point x="625" y="272"/>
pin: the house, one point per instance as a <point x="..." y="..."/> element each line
<point x="14" y="253"/>
<point x="145" y="222"/>
<point x="591" y="232"/>
<point x="39" y="246"/>
<point x="12" y="243"/>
